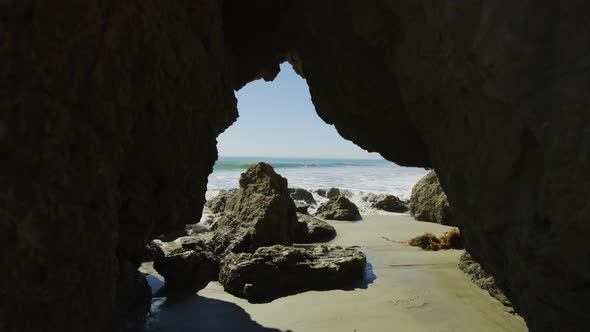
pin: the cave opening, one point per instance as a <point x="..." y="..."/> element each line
<point x="278" y="124"/>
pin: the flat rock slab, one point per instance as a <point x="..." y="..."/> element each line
<point x="272" y="272"/>
<point x="312" y="230"/>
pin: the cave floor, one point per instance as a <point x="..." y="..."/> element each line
<point x="405" y="289"/>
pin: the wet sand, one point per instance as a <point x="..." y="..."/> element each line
<point x="405" y="289"/>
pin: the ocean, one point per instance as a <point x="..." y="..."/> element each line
<point x="359" y="176"/>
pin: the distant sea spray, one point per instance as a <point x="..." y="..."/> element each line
<point x="356" y="175"/>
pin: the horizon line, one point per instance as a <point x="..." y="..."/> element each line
<point x="379" y="157"/>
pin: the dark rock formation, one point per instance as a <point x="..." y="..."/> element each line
<point x="429" y="202"/>
<point x="340" y="208"/>
<point x="299" y="194"/>
<point x="312" y="230"/>
<point x="301" y="207"/>
<point x="152" y="251"/>
<point x="260" y="213"/>
<point x="217" y="203"/>
<point x="385" y="202"/>
<point x="481" y="278"/>
<point x="333" y="192"/>
<point x="109" y="112"/>
<point x="271" y="272"/>
<point x="187" y="271"/>
<point x="134" y="298"/>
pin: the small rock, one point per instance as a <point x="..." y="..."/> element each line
<point x="299" y="194"/>
<point x="186" y="272"/>
<point x="333" y="193"/>
<point x="340" y="208"/>
<point x="312" y="230"/>
<point x="386" y="202"/>
<point x="271" y="272"/>
<point x="301" y="207"/>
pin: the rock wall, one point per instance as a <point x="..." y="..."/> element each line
<point x="109" y="112"/>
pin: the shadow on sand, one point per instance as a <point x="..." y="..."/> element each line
<point x="199" y="313"/>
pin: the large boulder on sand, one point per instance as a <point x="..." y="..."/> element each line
<point x="217" y="203"/>
<point x="299" y="194"/>
<point x="260" y="213"/>
<point x="312" y="230"/>
<point x="333" y="192"/>
<point x="271" y="272"/>
<point x="429" y="202"/>
<point x="340" y="208"/>
<point x="386" y="202"/>
<point x="187" y="271"/>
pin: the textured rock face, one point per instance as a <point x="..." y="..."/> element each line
<point x="299" y="194"/>
<point x="109" y="112"/>
<point x="187" y="271"/>
<point x="312" y="230"/>
<point x="340" y="208"/>
<point x="429" y="202"/>
<point x="274" y="271"/>
<point x="385" y="202"/>
<point x="217" y="203"/>
<point x="108" y="116"/>
<point x="481" y="278"/>
<point x="260" y="213"/>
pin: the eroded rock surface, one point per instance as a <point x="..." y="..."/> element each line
<point x="481" y="278"/>
<point x="300" y="194"/>
<point x="340" y="208"/>
<point x="429" y="202"/>
<point x="386" y="202"/>
<point x="217" y="204"/>
<point x="260" y="213"/>
<point x="312" y="230"/>
<point x="275" y="271"/>
<point x="186" y="271"/>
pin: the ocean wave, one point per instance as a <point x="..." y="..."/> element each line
<point x="221" y="165"/>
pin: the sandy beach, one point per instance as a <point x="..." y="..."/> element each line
<point x="405" y="289"/>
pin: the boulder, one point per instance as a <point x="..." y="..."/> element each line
<point x="333" y="192"/>
<point x="187" y="271"/>
<point x="152" y="251"/>
<point x="429" y="202"/>
<point x="301" y="207"/>
<point x="312" y="230"/>
<point x="482" y="279"/>
<point x="340" y="208"/>
<point x="217" y="203"/>
<point x="271" y="272"/>
<point x="386" y="202"/>
<point x="299" y="194"/>
<point x="260" y="213"/>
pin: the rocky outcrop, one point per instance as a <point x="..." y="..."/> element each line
<point x="275" y="271"/>
<point x="312" y="230"/>
<point x="386" y="202"/>
<point x="481" y="278"/>
<point x="299" y="194"/>
<point x="340" y="208"/>
<point x="217" y="203"/>
<point x="429" y="202"/>
<point x="260" y="213"/>
<point x="152" y="251"/>
<point x="301" y="207"/>
<point x="187" y="271"/>
<point x="333" y="192"/>
<point x="110" y="110"/>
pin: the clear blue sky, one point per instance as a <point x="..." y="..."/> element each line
<point x="278" y="119"/>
